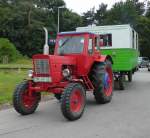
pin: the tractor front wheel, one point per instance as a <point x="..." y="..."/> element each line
<point x="73" y="101"/>
<point x="23" y="102"/>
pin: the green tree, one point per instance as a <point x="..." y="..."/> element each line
<point x="143" y="28"/>
<point x="139" y="6"/>
<point x="69" y="20"/>
<point x="89" y="17"/>
<point x="101" y="14"/>
<point x="148" y="10"/>
<point x="7" y="50"/>
<point x="22" y="21"/>
<point x="123" y="13"/>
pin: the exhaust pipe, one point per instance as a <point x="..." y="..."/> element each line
<point x="46" y="47"/>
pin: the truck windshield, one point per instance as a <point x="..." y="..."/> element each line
<point x="71" y="45"/>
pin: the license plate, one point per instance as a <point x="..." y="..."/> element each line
<point x="42" y="79"/>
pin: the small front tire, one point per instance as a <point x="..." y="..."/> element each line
<point x="22" y="102"/>
<point x="73" y="101"/>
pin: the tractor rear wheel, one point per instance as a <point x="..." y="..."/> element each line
<point x="22" y="102"/>
<point x="73" y="101"/>
<point x="102" y="79"/>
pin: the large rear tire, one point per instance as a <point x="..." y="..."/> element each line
<point x="73" y="101"/>
<point x="22" y="102"/>
<point x="102" y="79"/>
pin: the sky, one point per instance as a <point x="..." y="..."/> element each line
<point x="81" y="6"/>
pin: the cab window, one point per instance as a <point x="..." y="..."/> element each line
<point x="106" y="40"/>
<point x="90" y="46"/>
<point x="97" y="43"/>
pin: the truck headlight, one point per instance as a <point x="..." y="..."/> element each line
<point x="66" y="73"/>
<point x="30" y="73"/>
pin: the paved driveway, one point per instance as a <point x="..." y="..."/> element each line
<point x="127" y="116"/>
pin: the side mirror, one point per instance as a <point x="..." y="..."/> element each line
<point x="51" y="42"/>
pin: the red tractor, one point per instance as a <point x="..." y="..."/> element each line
<point x="75" y="68"/>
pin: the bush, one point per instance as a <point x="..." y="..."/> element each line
<point x="8" y="52"/>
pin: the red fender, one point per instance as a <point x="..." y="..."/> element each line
<point x="101" y="58"/>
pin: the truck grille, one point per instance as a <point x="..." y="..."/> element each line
<point x="41" y="66"/>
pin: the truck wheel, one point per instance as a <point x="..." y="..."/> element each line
<point x="22" y="102"/>
<point x="102" y="79"/>
<point x="130" y="76"/>
<point x="73" y="101"/>
<point x="58" y="96"/>
<point x="121" y="83"/>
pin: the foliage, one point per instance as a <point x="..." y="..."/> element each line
<point x="67" y="24"/>
<point x="128" y="12"/>
<point x="22" y="21"/>
<point x="89" y="17"/>
<point x="101" y="14"/>
<point x="8" y="50"/>
<point x="143" y="28"/>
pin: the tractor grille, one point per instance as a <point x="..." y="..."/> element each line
<point x="41" y="66"/>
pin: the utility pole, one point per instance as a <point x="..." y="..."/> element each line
<point x="58" y="26"/>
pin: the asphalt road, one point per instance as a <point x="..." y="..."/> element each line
<point x="127" y="116"/>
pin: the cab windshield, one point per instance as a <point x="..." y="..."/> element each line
<point x="70" y="45"/>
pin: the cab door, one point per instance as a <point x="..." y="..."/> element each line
<point x="90" y="50"/>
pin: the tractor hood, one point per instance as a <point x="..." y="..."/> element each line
<point x="65" y="60"/>
<point x="52" y="64"/>
<point x="54" y="59"/>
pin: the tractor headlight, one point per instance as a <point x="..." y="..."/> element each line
<point x="30" y="73"/>
<point x="66" y="73"/>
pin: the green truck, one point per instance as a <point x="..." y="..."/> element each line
<point x="121" y="43"/>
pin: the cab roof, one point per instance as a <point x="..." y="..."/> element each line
<point x="75" y="33"/>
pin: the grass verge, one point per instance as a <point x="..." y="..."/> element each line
<point x="21" y="63"/>
<point x="11" y="75"/>
<point x="8" y="82"/>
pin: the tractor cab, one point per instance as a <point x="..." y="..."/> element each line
<point x="75" y="43"/>
<point x="82" y="46"/>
